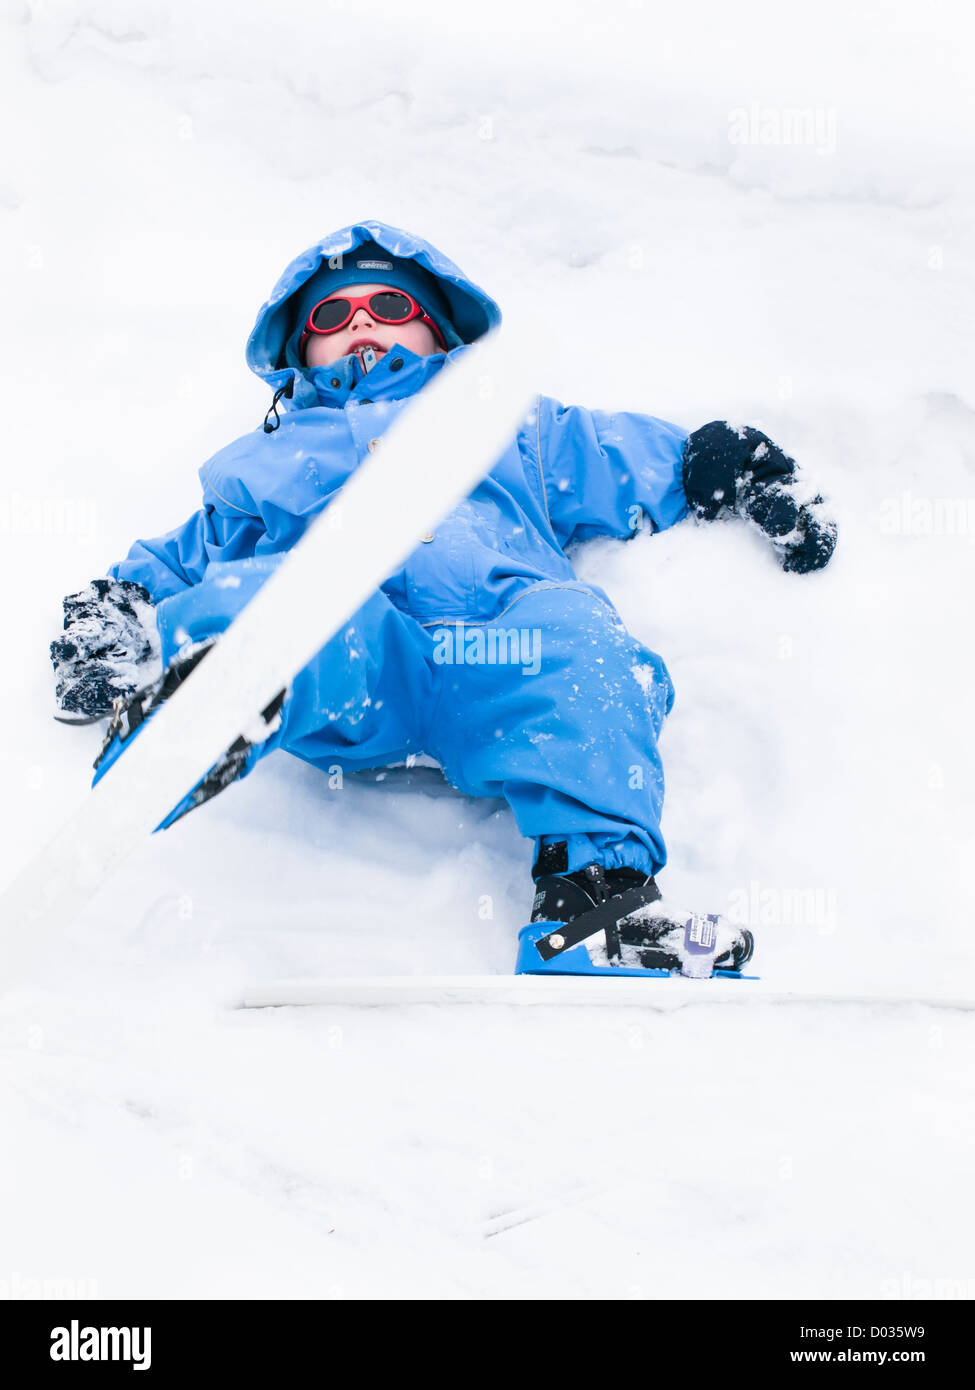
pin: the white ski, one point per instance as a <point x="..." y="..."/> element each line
<point x="654" y="993"/>
<point x="434" y="454"/>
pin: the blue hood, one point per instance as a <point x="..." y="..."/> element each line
<point x="472" y="311"/>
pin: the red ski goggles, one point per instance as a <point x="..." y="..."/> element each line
<point x="385" y="306"/>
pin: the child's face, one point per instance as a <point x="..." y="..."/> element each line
<point x="322" y="349"/>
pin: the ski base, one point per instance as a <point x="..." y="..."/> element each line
<point x="548" y="989"/>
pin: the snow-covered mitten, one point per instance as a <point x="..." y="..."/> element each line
<point x="109" y="649"/>
<point x="739" y="469"/>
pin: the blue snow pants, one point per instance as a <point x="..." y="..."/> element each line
<point x="551" y="705"/>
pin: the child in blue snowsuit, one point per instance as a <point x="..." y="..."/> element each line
<point x="563" y="722"/>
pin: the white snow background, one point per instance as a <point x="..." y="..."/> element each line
<point x="162" y="163"/>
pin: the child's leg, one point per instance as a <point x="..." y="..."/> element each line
<point x="360" y="703"/>
<point x="567" y="732"/>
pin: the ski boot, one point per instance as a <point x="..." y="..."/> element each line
<point x="640" y="933"/>
<point x="129" y="716"/>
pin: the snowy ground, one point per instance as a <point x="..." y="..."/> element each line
<point x="167" y="161"/>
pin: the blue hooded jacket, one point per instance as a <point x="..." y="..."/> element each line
<point x="570" y="473"/>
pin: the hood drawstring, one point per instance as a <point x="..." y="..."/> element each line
<point x="286" y="390"/>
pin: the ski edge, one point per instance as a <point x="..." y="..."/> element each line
<point x="654" y="994"/>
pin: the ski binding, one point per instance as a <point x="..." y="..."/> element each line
<point x="559" y="948"/>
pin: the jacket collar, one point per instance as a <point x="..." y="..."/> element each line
<point x="399" y="373"/>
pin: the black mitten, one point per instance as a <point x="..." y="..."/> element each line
<point x="741" y="470"/>
<point x="110" y="647"/>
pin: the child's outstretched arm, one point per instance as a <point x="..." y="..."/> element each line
<point x="613" y="473"/>
<point x="173" y="561"/>
<point x="609" y="473"/>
